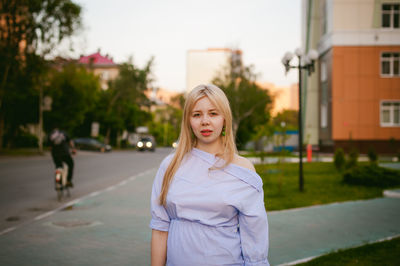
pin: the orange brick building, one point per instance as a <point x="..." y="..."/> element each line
<point x="358" y="78"/>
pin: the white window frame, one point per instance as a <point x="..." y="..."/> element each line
<point x="391" y="12"/>
<point x="391" y="110"/>
<point x="391" y="64"/>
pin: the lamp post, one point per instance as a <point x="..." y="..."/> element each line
<point x="306" y="62"/>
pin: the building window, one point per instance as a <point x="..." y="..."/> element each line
<point x="105" y="75"/>
<point x="324" y="116"/>
<point x="324" y="105"/>
<point x="324" y="74"/>
<point x="390" y="113"/>
<point x="390" y="64"/>
<point x="390" y="16"/>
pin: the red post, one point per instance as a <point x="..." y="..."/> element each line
<point x="309" y="153"/>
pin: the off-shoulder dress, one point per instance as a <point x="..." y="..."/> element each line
<point x="213" y="216"/>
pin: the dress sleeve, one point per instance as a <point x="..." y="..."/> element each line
<point x="253" y="228"/>
<point x="159" y="216"/>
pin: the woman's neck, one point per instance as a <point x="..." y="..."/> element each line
<point x="213" y="148"/>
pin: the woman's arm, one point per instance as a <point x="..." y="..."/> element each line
<point x="253" y="228"/>
<point x="158" y="247"/>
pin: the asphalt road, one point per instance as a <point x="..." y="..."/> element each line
<point x="27" y="188"/>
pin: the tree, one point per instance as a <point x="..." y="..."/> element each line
<point x="29" y="30"/>
<point x="74" y="91"/>
<point x="166" y="124"/>
<point x="290" y="117"/>
<point x="125" y="98"/>
<point x="250" y="104"/>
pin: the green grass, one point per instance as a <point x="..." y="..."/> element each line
<point x="322" y="185"/>
<point x="383" y="253"/>
<point x="268" y="154"/>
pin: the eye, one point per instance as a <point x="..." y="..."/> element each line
<point x="214" y="113"/>
<point x="196" y="115"/>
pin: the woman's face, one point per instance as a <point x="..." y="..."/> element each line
<point x="206" y="122"/>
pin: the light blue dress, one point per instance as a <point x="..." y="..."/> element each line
<point x="213" y="217"/>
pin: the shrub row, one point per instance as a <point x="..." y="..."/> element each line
<point x="340" y="161"/>
<point x="372" y="175"/>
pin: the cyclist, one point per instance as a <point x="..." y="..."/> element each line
<point x="60" y="144"/>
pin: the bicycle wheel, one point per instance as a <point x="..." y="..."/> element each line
<point x="58" y="184"/>
<point x="59" y="194"/>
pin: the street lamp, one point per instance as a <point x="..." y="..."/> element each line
<point x="306" y="62"/>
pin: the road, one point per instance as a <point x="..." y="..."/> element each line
<point x="27" y="188"/>
<point x="108" y="222"/>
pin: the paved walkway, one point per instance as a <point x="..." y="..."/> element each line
<point x="110" y="227"/>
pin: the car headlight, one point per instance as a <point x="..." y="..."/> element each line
<point x="149" y="144"/>
<point x="140" y="144"/>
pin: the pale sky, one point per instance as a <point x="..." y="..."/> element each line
<point x="166" y="29"/>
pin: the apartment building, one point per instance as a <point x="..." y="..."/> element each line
<point x="353" y="99"/>
<point x="202" y="66"/>
<point x="284" y="97"/>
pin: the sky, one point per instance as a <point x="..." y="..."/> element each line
<point x="166" y="29"/>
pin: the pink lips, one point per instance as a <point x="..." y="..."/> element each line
<point x="206" y="132"/>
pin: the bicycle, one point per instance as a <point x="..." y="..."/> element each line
<point x="61" y="182"/>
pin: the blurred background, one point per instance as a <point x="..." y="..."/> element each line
<point x="105" y="69"/>
<point x="312" y="81"/>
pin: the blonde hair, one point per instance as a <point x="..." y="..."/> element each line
<point x="186" y="138"/>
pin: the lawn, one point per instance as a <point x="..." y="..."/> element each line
<point x="383" y="253"/>
<point x="322" y="185"/>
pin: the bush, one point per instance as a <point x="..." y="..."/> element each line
<point x="353" y="159"/>
<point x="26" y="140"/>
<point x="372" y="175"/>
<point x="339" y="159"/>
<point x="372" y="155"/>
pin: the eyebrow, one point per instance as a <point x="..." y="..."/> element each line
<point x="210" y="110"/>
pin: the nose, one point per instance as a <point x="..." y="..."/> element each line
<point x="205" y="120"/>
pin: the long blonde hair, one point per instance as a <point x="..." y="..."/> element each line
<point x="186" y="139"/>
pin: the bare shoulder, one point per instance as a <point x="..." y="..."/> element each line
<point x="243" y="162"/>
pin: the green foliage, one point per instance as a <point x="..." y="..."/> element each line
<point x="30" y="31"/>
<point x="339" y="159"/>
<point x="353" y="159"/>
<point x="122" y="106"/>
<point x="74" y="92"/>
<point x="250" y="104"/>
<point x="20" y="102"/>
<point x="372" y="155"/>
<point x="23" y="140"/>
<point x="372" y="175"/>
<point x="289" y="117"/>
<point x="165" y="125"/>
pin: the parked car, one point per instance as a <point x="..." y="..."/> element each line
<point x="146" y="143"/>
<point x="91" y="145"/>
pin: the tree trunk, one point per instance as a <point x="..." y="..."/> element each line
<point x="107" y="140"/>
<point x="119" y="137"/>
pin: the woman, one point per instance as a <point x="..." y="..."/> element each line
<point x="207" y="202"/>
